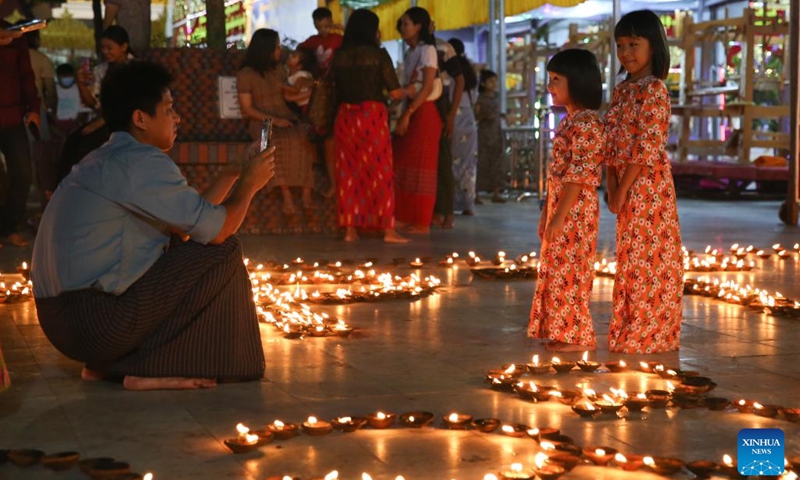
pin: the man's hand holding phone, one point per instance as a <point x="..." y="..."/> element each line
<point x="260" y="168"/>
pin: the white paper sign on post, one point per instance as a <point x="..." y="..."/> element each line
<point x="228" y="98"/>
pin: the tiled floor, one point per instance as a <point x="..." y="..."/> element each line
<point x="428" y="355"/>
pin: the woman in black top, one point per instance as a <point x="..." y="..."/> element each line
<point x="362" y="70"/>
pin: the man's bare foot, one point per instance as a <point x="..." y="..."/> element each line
<point x="391" y="236"/>
<point x="90" y="375"/>
<point x="569" y="347"/>
<point x="350" y="235"/>
<point x="167" y="383"/>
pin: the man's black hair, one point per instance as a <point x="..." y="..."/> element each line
<point x="136" y="85"/>
<point x="584" y="83"/>
<point x="322" y="13"/>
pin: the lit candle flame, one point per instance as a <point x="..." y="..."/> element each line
<point x="536" y="360"/>
<point x="411" y="418"/>
<point x="547" y="446"/>
<point x="644" y="365"/>
<point x="742" y="402"/>
<point x="600" y="452"/>
<point x="380" y="416"/>
<point x="533" y="432"/>
<point x="516" y="467"/>
<point x="453" y="417"/>
<point x="345" y="419"/>
<point x="622" y="364"/>
<point x="312" y="421"/>
<point x="757" y="405"/>
<point x="555" y="361"/>
<point x="24" y="265"/>
<point x="539" y="460"/>
<point x="332" y="476"/>
<point x="620" y="458"/>
<point x="648" y="461"/>
<point x="508" y="429"/>
<point x="490" y="476"/>
<point x="251" y="439"/>
<point x="366" y="476"/>
<point x="641" y="396"/>
<point x="585" y="356"/>
<point x="727" y="460"/>
<point x="148" y="476"/>
<point x="510" y="369"/>
<point x="278" y="424"/>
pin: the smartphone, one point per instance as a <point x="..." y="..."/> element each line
<point x="25" y="27"/>
<point x="266" y="134"/>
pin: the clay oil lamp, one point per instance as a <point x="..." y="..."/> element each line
<point x="769" y="411"/>
<point x="292" y="331"/>
<point x="449" y="261"/>
<point x="716" y="403"/>
<point x="728" y="467"/>
<point x="616" y="367"/>
<point x="86" y="464"/>
<point x="24" y="270"/>
<point x="545" y="470"/>
<point x="348" y="424"/>
<point x="629" y="462"/>
<point x="744" y="406"/>
<point x="563" y="459"/>
<point x="486" y="425"/>
<point x="317" y="428"/>
<point x="515" y="430"/>
<point x="665" y="373"/>
<point x="537" y="368"/>
<point x="697" y="385"/>
<point x="587" y="366"/>
<point x="608" y="404"/>
<point x="530" y="391"/>
<point x="60" y="461"/>
<point x="662" y="465"/>
<point x="283" y="431"/>
<point x="516" y="471"/>
<point x="25" y="457"/>
<point x="566" y="397"/>
<point x="318" y="331"/>
<point x="503" y="384"/>
<point x="380" y="420"/>
<point x="417" y="419"/>
<point x="545" y="434"/>
<point x="792" y="414"/>
<point x="245" y="442"/>
<point x="417" y="263"/>
<point x="472" y="259"/>
<point x="298" y="261"/>
<point x="340" y="329"/>
<point x="500" y="258"/>
<point x="658" y="398"/>
<point x="637" y="403"/>
<point x="457" y="421"/>
<point x="107" y="470"/>
<point x="702" y="468"/>
<point x="562" y="367"/>
<point x="648" y="367"/>
<point x="600" y="456"/>
<point x="585" y="410"/>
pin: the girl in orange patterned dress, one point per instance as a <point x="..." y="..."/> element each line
<point x="568" y="225"/>
<point x="648" y="286"/>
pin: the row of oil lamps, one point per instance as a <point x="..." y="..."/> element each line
<point x="753" y="298"/>
<point x="690" y="392"/>
<point x="17" y="292"/>
<point x="98" y="468"/>
<point x="559" y="453"/>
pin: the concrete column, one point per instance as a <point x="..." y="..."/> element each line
<point x="502" y="53"/>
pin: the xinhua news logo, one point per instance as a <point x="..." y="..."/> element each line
<point x="760" y="451"/>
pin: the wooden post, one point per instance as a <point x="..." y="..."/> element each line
<point x="747" y="73"/>
<point x="789" y="209"/>
<point x="502" y="49"/>
<point x="215" y="24"/>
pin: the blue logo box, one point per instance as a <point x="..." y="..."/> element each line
<point x="761" y="451"/>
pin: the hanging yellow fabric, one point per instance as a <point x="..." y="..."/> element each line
<point x="450" y="14"/>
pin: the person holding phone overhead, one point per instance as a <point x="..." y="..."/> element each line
<point x="19" y="107"/>
<point x="112" y="288"/>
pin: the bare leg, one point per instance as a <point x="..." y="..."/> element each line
<point x="308" y="202"/>
<point x="390" y="235"/>
<point x="167" y="383"/>
<point x="350" y="234"/>
<point x="330" y="165"/>
<point x="288" y="203"/>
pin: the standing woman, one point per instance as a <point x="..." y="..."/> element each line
<point x="465" y="136"/>
<point x="648" y="285"/>
<point x="492" y="163"/>
<point x="416" y="146"/>
<point x="116" y="52"/>
<point x="261" y="97"/>
<point x="362" y="70"/>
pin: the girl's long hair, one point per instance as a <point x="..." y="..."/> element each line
<point x="260" y="55"/>
<point x="470" y="77"/>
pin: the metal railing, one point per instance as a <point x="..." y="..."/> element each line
<point x="528" y="148"/>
